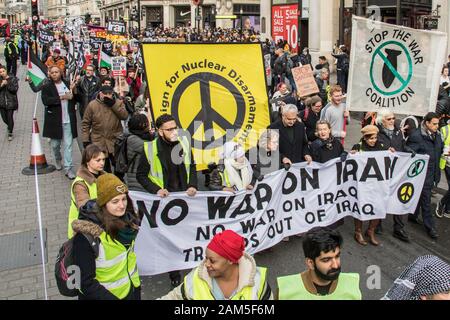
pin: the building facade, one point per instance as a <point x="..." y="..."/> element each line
<point x="15" y="10"/>
<point x="57" y="9"/>
<point x="318" y="21"/>
<point x="173" y="13"/>
<point x="442" y="9"/>
<point x="80" y="8"/>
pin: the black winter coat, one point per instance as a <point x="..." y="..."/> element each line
<point x="397" y="142"/>
<point x="321" y="153"/>
<point x="53" y="126"/>
<point x="422" y="143"/>
<point x="364" y="147"/>
<point x="86" y="91"/>
<point x="172" y="173"/>
<point x="310" y="119"/>
<point x="8" y="94"/>
<point x="296" y="150"/>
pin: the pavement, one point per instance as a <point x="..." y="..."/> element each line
<point x="377" y="266"/>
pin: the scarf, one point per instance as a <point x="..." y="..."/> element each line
<point x="239" y="174"/>
<point x="389" y="132"/>
<point x="427" y="275"/>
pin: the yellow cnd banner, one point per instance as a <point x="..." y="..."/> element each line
<point x="216" y="92"/>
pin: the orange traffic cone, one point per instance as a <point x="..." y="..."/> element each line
<point x="37" y="158"/>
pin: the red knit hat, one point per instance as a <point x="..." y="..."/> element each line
<point x="229" y="245"/>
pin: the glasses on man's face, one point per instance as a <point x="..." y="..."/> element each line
<point x="170" y="129"/>
<point x="390" y="119"/>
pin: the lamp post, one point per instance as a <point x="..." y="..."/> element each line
<point x="399" y="12"/>
<point x="341" y="22"/>
<point x="139" y="15"/>
<point x="241" y="13"/>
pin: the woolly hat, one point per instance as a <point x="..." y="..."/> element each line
<point x="106" y="89"/>
<point x="228" y="244"/>
<point x="232" y="150"/>
<point x="369" y="130"/>
<point x="108" y="187"/>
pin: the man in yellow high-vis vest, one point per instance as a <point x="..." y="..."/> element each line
<point x="323" y="280"/>
<point x="443" y="206"/>
<point x="168" y="166"/>
<point x="227" y="273"/>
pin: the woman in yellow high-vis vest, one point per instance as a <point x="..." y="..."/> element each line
<point x="227" y="273"/>
<point x="84" y="187"/>
<point x="107" y="265"/>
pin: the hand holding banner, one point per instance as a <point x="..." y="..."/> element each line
<point x="175" y="230"/>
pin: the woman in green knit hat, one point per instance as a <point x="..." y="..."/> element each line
<point x="107" y="264"/>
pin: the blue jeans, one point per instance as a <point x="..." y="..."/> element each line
<point x="67" y="141"/>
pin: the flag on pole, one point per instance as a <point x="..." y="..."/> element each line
<point x="105" y="59"/>
<point x="37" y="71"/>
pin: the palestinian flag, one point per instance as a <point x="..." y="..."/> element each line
<point x="83" y="62"/>
<point x="104" y="59"/>
<point x="37" y="71"/>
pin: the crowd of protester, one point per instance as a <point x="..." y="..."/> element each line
<point x="303" y="129"/>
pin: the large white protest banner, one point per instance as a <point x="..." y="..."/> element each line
<point x="175" y="230"/>
<point x="394" y="67"/>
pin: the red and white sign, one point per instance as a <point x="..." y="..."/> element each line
<point x="118" y="66"/>
<point x="285" y="24"/>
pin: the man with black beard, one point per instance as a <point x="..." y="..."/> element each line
<point x="168" y="166"/>
<point x="323" y="280"/>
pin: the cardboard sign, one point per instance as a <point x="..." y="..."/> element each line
<point x="116" y="27"/>
<point x="304" y="80"/>
<point x="118" y="66"/>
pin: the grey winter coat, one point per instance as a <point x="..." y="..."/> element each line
<point x="135" y="149"/>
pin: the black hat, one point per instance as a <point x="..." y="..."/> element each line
<point x="106" y="89"/>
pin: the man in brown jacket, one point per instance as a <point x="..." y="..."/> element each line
<point x="101" y="123"/>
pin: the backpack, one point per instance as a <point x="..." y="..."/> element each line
<point x="346" y="64"/>
<point x="64" y="260"/>
<point x="121" y="154"/>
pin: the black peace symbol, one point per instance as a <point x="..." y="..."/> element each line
<point x="207" y="114"/>
<point x="405" y="192"/>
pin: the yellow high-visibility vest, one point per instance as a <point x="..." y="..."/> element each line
<point x="116" y="267"/>
<point x="446" y="137"/>
<point x="292" y="288"/>
<point x="196" y="288"/>
<point x="73" y="211"/>
<point x="156" y="173"/>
